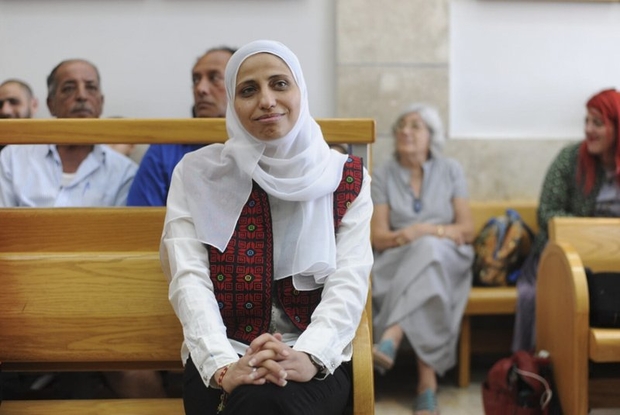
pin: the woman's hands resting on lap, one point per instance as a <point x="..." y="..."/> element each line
<point x="461" y="230"/>
<point x="268" y="359"/>
<point x="411" y="233"/>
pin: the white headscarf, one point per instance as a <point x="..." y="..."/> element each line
<point x="298" y="170"/>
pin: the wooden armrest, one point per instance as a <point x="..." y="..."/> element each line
<point x="604" y="345"/>
<point x="363" y="380"/>
<point x="562" y="318"/>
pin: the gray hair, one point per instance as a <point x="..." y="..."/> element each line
<point x="431" y="118"/>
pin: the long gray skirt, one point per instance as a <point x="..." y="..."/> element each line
<point x="423" y="286"/>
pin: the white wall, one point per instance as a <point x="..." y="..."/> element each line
<point x="525" y="69"/>
<point x="145" y="49"/>
<point x="518" y="69"/>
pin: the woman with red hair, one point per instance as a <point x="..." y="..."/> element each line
<point x="583" y="180"/>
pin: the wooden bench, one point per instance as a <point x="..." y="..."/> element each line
<point x="562" y="311"/>
<point x="487" y="301"/>
<point x="83" y="290"/>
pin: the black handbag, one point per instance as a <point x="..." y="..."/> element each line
<point x="604" y="294"/>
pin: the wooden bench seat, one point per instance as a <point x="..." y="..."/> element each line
<point x="562" y="311"/>
<point x="83" y="290"/>
<point x="491" y="301"/>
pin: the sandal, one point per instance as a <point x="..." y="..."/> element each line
<point x="426" y="401"/>
<point x="383" y="355"/>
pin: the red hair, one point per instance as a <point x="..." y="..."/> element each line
<point x="607" y="102"/>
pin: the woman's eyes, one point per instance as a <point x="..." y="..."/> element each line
<point x="247" y="91"/>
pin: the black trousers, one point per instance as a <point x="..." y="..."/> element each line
<point x="331" y="396"/>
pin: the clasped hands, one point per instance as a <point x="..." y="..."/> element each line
<point x="268" y="359"/>
<point x="411" y="233"/>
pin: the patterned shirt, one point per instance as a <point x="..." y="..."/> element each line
<point x="561" y="195"/>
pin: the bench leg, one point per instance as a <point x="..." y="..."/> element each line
<point x="464" y="353"/>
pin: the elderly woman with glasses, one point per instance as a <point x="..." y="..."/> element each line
<point x="421" y="233"/>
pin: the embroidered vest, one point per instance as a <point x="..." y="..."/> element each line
<point x="243" y="274"/>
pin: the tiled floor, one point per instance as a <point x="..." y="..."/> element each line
<point x="394" y="392"/>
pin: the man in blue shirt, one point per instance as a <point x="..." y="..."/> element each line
<point x="151" y="184"/>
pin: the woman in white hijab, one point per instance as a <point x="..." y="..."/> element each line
<point x="266" y="246"/>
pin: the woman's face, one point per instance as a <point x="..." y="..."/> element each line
<point x="267" y="98"/>
<point x="413" y="138"/>
<point x="599" y="138"/>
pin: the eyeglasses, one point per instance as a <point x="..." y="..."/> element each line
<point x="413" y="125"/>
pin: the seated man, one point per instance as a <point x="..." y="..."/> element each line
<point x="67" y="175"/>
<point x="150" y="187"/>
<point x="74" y="176"/>
<point x="17" y="100"/>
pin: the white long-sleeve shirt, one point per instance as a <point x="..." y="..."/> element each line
<point x="329" y="335"/>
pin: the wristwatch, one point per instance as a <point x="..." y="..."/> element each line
<point x="321" y="370"/>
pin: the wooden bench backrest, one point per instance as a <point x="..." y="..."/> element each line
<point x="596" y="240"/>
<point x="483" y="211"/>
<point x="83" y="289"/>
<point x="359" y="132"/>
